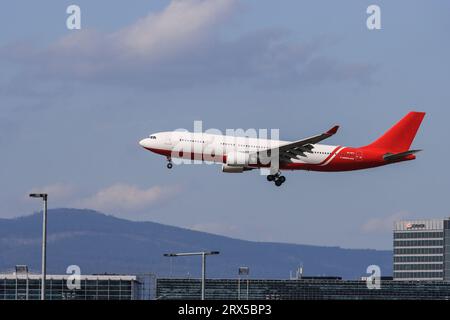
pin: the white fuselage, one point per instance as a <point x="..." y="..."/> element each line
<point x="179" y="144"/>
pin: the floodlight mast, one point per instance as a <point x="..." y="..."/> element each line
<point x="44" y="197"/>
<point x="203" y="254"/>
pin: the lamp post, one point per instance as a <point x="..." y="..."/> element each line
<point x="44" y="197"/>
<point x="243" y="271"/>
<point x="203" y="254"/>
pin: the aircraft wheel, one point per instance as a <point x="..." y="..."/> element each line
<point x="278" y="182"/>
<point x="169" y="165"/>
<point x="270" y="177"/>
<point x="282" y="179"/>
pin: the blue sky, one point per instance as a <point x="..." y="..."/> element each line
<point x="74" y="104"/>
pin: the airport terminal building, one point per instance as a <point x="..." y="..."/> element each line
<point x="314" y="288"/>
<point x="22" y="285"/>
<point x="422" y="250"/>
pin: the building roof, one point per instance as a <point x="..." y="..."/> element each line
<point x="33" y="276"/>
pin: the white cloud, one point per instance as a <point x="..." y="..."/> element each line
<point x="380" y="225"/>
<point x="123" y="198"/>
<point x="180" y="47"/>
<point x="178" y="26"/>
<point x="156" y="38"/>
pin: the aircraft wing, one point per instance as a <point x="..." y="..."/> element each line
<point x="300" y="147"/>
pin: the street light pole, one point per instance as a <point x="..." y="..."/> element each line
<point x="243" y="271"/>
<point x="44" y="249"/>
<point x="44" y="197"/>
<point x="203" y="274"/>
<point x="203" y="255"/>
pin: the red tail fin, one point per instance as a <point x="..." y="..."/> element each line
<point x="401" y="135"/>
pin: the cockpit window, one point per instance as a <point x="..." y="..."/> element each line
<point x="152" y="137"/>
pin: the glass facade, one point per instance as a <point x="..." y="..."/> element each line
<point x="447" y="250"/>
<point x="438" y="258"/>
<point x="317" y="289"/>
<point x="421" y="250"/>
<point x="102" y="287"/>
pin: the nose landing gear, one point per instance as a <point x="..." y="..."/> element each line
<point x="277" y="178"/>
<point x="169" y="164"/>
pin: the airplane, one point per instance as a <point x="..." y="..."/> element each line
<point x="239" y="154"/>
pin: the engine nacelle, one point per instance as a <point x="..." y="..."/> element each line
<point x="232" y="169"/>
<point x="237" y="159"/>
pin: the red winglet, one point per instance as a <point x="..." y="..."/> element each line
<point x="333" y="130"/>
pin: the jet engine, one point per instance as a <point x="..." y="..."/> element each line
<point x="232" y="169"/>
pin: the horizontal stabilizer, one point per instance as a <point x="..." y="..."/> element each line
<point x="399" y="156"/>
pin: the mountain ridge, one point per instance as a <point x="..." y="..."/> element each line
<point x="100" y="243"/>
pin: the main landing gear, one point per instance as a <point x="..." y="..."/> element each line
<point x="169" y="164"/>
<point x="277" y="178"/>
